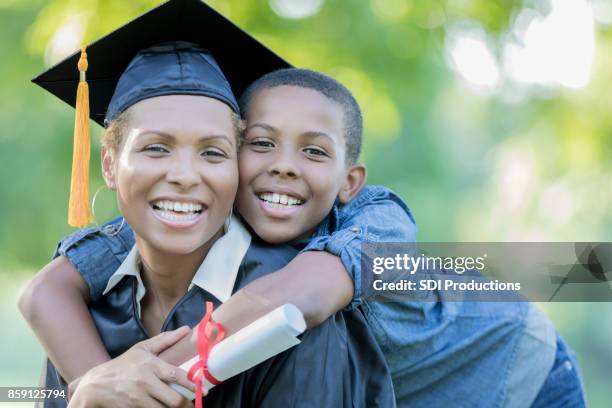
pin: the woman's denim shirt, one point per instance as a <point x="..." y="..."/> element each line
<point x="441" y="353"/>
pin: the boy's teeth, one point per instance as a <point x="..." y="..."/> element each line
<point x="178" y="206"/>
<point x="283" y="199"/>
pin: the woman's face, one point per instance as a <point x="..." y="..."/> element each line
<point x="175" y="171"/>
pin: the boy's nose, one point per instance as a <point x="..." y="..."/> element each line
<point x="284" y="168"/>
<point x="182" y="173"/>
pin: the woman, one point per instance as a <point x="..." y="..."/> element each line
<point x="170" y="154"/>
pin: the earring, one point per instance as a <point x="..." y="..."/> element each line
<point x="109" y="230"/>
<point x="227" y="222"/>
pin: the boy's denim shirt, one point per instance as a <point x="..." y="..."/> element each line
<point x="487" y="354"/>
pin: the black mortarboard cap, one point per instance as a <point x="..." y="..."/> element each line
<point x="241" y="57"/>
<point x="176" y="48"/>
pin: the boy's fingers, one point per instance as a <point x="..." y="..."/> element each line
<point x="164" y="340"/>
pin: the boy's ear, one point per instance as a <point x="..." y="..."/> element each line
<point x="355" y="179"/>
<point x="108" y="168"/>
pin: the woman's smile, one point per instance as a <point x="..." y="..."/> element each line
<point x="178" y="213"/>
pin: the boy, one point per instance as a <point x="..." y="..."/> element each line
<point x="300" y="180"/>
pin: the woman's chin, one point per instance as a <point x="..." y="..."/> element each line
<point x="184" y="240"/>
<point x="177" y="246"/>
<point x="162" y="241"/>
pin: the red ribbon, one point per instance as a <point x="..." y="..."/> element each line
<point x="205" y="345"/>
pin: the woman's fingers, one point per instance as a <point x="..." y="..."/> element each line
<point x="164" y="340"/>
<point x="148" y="401"/>
<point x="172" y="375"/>
<point x="138" y="378"/>
<point x="163" y="393"/>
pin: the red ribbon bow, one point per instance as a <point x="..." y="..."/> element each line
<point x="205" y="345"/>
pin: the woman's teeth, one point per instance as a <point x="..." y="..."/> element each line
<point x="276" y="200"/>
<point x="177" y="211"/>
<point x="177" y="206"/>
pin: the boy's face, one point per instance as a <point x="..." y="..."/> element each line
<point x="292" y="162"/>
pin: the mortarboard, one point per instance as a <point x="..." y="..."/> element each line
<point x="186" y="32"/>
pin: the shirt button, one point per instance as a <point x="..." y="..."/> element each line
<point x="355" y="230"/>
<point x="568" y="365"/>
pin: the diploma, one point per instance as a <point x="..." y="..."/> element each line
<point x="264" y="338"/>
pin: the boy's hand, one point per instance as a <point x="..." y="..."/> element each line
<point x="137" y="378"/>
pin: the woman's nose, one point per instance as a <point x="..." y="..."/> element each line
<point x="183" y="173"/>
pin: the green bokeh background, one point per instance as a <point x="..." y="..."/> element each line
<point x="473" y="165"/>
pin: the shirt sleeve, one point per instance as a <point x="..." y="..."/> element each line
<point x="377" y="214"/>
<point x="97" y="252"/>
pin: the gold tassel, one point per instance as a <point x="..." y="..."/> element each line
<point x="79" y="212"/>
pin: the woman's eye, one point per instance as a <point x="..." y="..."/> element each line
<point x="156" y="147"/>
<point x="214" y="153"/>
<point x="312" y="151"/>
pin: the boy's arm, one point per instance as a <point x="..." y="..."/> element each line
<point x="376" y="215"/>
<point x="326" y="276"/>
<point x="317" y="291"/>
<point x="315" y="282"/>
<point x="54" y="305"/>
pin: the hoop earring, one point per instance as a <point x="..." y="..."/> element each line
<point x="228" y="220"/>
<point x="109" y="230"/>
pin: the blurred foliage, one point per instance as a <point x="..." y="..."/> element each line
<point x="472" y="166"/>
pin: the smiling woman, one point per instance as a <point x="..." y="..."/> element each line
<point x="176" y="175"/>
<point x="176" y="172"/>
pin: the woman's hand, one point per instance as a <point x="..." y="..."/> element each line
<point x="137" y="378"/>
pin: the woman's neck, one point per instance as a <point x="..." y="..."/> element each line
<point x="167" y="276"/>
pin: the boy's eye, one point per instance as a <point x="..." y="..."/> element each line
<point x="156" y="147"/>
<point x="262" y="144"/>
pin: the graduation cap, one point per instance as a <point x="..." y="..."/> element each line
<point x="179" y="47"/>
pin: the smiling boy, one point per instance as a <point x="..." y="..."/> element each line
<point x="300" y="182"/>
<point x="294" y="162"/>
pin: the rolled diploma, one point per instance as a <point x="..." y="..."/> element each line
<point x="264" y="338"/>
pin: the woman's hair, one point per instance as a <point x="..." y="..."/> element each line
<point x="112" y="139"/>
<point x="114" y="133"/>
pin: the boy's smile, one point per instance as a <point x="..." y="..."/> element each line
<point x="292" y="162"/>
<point x="280" y="202"/>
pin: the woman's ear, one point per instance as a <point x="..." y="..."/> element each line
<point x="355" y="179"/>
<point x="108" y="168"/>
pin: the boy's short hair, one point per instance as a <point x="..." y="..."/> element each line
<point x="332" y="89"/>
